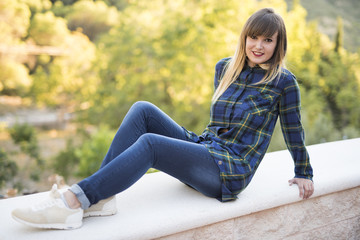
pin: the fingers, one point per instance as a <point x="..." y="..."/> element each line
<point x="309" y="190"/>
<point x="301" y="191"/>
<point x="306" y="187"/>
<point x="291" y="181"/>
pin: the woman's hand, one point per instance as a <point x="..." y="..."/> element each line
<point x="306" y="187"/>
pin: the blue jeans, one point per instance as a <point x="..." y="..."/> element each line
<point x="148" y="138"/>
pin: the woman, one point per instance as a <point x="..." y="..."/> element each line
<point x="252" y="90"/>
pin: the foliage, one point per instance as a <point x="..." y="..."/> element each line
<point x="65" y="2"/>
<point x="164" y="52"/>
<point x="92" y="18"/>
<point x="24" y="135"/>
<point x="38" y="5"/>
<point x="93" y="150"/>
<point x="15" y="16"/>
<point x="47" y="29"/>
<point x="326" y="14"/>
<point x="339" y="35"/>
<point x="167" y="56"/>
<point x="8" y="168"/>
<point x="85" y="159"/>
<point x="15" y="20"/>
<point x="66" y="161"/>
<point x="66" y="80"/>
<point x="14" y="78"/>
<point x="163" y="59"/>
<point x="119" y="4"/>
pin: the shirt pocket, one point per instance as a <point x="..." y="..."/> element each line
<point x="259" y="104"/>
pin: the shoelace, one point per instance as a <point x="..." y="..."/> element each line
<point x="51" y="201"/>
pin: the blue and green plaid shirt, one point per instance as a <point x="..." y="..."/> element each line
<point x="242" y="121"/>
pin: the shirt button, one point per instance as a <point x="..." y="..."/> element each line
<point x="219" y="162"/>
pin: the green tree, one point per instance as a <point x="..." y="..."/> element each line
<point x="340" y="90"/>
<point x="15" y="20"/>
<point x="38" y="5"/>
<point x="48" y="30"/>
<point x="66" y="161"/>
<point x="92" y="18"/>
<point x="164" y="53"/>
<point x="93" y="151"/>
<point x="63" y="79"/>
<point x="65" y="2"/>
<point x="339" y="35"/>
<point x="8" y="168"/>
<point x="119" y="4"/>
<point x="14" y="77"/>
<point x="25" y="136"/>
<point x="66" y="80"/>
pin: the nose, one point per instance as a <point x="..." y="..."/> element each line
<point x="259" y="44"/>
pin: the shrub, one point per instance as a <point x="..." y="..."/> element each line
<point x="66" y="161"/>
<point x="25" y="136"/>
<point x="93" y="151"/>
<point x="8" y="168"/>
<point x="22" y="133"/>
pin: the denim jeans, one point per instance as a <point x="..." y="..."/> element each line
<point x="148" y="138"/>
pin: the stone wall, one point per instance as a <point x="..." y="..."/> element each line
<point x="331" y="216"/>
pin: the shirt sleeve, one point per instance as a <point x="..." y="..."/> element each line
<point x="292" y="129"/>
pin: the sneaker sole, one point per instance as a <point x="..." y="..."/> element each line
<point x="99" y="213"/>
<point x="50" y="225"/>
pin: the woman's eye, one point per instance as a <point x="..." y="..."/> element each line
<point x="268" y="40"/>
<point x="253" y="37"/>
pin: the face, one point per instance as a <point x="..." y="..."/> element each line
<point x="260" y="49"/>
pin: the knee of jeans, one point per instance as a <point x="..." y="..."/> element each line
<point x="141" y="108"/>
<point x="142" y="105"/>
<point x="147" y="139"/>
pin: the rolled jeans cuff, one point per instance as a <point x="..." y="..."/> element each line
<point x="79" y="193"/>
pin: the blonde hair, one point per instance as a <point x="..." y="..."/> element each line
<point x="264" y="22"/>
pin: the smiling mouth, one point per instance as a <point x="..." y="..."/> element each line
<point x="257" y="54"/>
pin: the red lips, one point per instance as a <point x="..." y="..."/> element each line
<point x="256" y="54"/>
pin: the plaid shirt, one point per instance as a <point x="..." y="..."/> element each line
<point x="242" y="121"/>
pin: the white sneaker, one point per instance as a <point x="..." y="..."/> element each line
<point x="52" y="214"/>
<point x="104" y="207"/>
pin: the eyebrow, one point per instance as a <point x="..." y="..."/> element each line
<point x="272" y="37"/>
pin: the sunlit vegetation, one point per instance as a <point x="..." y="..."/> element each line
<point x="96" y="58"/>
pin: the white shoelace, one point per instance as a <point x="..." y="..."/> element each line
<point x="51" y="201"/>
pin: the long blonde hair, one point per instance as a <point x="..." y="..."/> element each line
<point x="264" y="22"/>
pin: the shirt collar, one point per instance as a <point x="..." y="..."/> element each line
<point x="257" y="68"/>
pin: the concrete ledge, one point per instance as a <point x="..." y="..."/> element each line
<point x="327" y="217"/>
<point x="159" y="206"/>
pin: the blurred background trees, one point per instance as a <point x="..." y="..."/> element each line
<point x="94" y="59"/>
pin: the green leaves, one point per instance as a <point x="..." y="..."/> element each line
<point x="48" y="30"/>
<point x="113" y="53"/>
<point x="8" y="168"/>
<point x="92" y="18"/>
<point x="93" y="150"/>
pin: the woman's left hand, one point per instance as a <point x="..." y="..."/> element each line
<point x="306" y="187"/>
